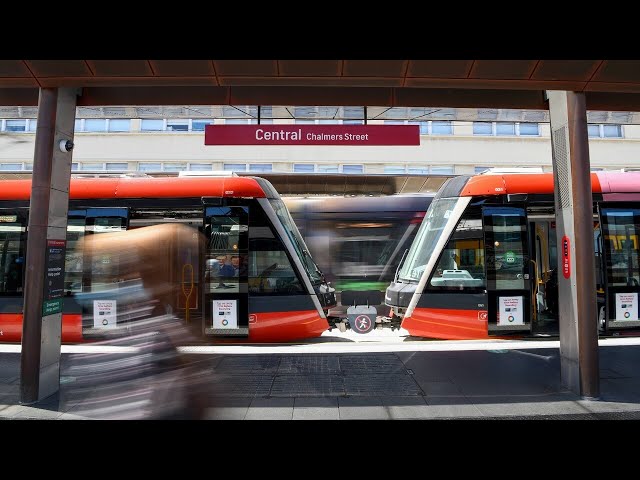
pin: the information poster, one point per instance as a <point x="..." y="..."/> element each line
<point x="54" y="281"/>
<point x="510" y="311"/>
<point x="225" y="314"/>
<point x="626" y="307"/>
<point x="104" y="314"/>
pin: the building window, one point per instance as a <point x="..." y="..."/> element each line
<point x="33" y="123"/>
<point x="75" y="167"/>
<point x="119" y="125"/>
<point x="93" y="166"/>
<point x="417" y="170"/>
<point x="95" y="125"/>
<point x="328" y="169"/>
<point x="16" y="126"/>
<point x="198" y="125"/>
<point x="240" y="121"/>
<point x="441" y="170"/>
<point x="604" y="131"/>
<point x="149" y="167"/>
<point x="303" y="168"/>
<point x="482" y="128"/>
<point x="528" y="129"/>
<point x="505" y="128"/>
<point x="424" y="127"/>
<point x="235" y="167"/>
<point x="178" y="125"/>
<point x="116" y="166"/>
<point x="441" y="128"/>
<point x="200" y="167"/>
<point x="352" y="169"/>
<point x="77" y="126"/>
<point x="260" y="167"/>
<point x="10" y="166"/>
<point x="151" y="125"/>
<point x="612" y="131"/>
<point x="481" y="169"/>
<point x="174" y="167"/>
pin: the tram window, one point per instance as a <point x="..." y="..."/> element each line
<point x="103" y="269"/>
<point x="85" y="272"/>
<point x="621" y="230"/>
<point x="12" y="256"/>
<point x="461" y="265"/>
<point x="426" y="239"/>
<point x="380" y="232"/>
<point x="507" y="254"/>
<point x="74" y="258"/>
<point x="270" y="269"/>
<point x="296" y="239"/>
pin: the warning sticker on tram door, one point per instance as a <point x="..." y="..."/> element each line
<point x="510" y="311"/>
<point x="626" y="307"/>
<point x="362" y="319"/>
<point x="105" y="314"/>
<point x="225" y="314"/>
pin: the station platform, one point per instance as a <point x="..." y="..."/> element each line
<point x="382" y="375"/>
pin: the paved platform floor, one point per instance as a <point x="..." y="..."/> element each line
<point x="336" y="380"/>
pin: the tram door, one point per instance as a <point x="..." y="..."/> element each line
<point x="508" y="269"/>
<point x="225" y="299"/>
<point x="621" y="253"/>
<point x="544" y="285"/>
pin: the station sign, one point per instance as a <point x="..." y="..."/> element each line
<point x="350" y="135"/>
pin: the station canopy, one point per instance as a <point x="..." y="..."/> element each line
<point x="609" y="85"/>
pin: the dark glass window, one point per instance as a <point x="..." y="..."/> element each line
<point x="13" y="247"/>
<point x="270" y="268"/>
<point x="621" y="230"/>
<point x="461" y="265"/>
<point x="506" y="248"/>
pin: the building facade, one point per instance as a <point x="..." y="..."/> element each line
<point x="446" y="147"/>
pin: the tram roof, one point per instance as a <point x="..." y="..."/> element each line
<point x="144" y="187"/>
<point x="542" y="183"/>
<point x="299" y="184"/>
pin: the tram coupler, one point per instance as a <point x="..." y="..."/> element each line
<point x="393" y="322"/>
<point x="338" y="322"/>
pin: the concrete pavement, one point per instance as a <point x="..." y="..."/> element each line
<point x="403" y="379"/>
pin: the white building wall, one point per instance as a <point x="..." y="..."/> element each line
<point x="462" y="150"/>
